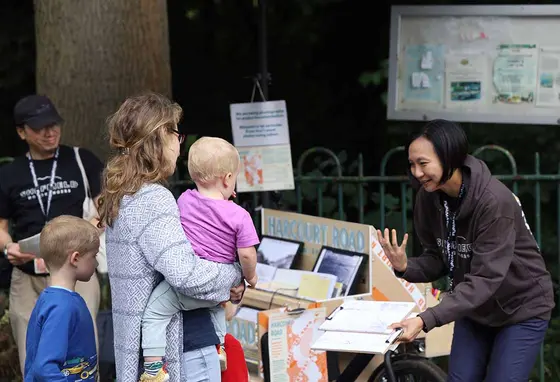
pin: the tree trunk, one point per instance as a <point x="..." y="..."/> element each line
<point x="92" y="54"/>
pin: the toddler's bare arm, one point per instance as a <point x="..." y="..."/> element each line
<point x="248" y="260"/>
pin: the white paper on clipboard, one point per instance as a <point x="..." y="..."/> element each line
<point x="366" y="343"/>
<point x="367" y="316"/>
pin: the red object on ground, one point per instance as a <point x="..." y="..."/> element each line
<point x="236" y="364"/>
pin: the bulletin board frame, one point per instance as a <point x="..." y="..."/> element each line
<point x="510" y="114"/>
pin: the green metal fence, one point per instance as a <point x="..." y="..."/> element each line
<point x="382" y="181"/>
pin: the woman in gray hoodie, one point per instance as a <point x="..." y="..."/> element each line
<point x="473" y="230"/>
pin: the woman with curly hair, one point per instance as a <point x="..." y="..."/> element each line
<point x="146" y="243"/>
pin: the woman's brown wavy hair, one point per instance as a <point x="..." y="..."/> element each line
<point x="138" y="131"/>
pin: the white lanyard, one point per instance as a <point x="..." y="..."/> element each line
<point x="451" y="243"/>
<point x="36" y="184"/>
<point x="451" y="237"/>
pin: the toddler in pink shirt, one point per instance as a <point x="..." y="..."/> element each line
<point x="219" y="230"/>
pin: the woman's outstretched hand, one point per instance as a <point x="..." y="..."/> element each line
<point x="395" y="252"/>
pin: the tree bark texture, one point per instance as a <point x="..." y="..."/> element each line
<point x="92" y="54"/>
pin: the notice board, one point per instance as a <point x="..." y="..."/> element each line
<point x="487" y="63"/>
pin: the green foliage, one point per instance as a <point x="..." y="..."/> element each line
<point x="377" y="79"/>
<point x="192" y="14"/>
<point x="9" y="357"/>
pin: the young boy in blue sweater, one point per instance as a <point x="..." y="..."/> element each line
<point x="60" y="337"/>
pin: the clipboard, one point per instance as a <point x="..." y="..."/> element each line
<point x="351" y="340"/>
<point x="371" y="317"/>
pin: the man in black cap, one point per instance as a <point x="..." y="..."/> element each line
<point x="44" y="183"/>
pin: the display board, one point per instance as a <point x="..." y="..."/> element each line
<point x="316" y="232"/>
<point x="487" y="63"/>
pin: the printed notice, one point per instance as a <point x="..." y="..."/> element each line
<point x="548" y="88"/>
<point x="265" y="168"/>
<point x="278" y="348"/>
<point x="259" y="124"/>
<point x="289" y="340"/>
<point x="261" y="134"/>
<point x="515" y="73"/>
<point x="465" y="80"/>
<point x="424" y="66"/>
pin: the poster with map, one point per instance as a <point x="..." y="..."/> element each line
<point x="289" y="339"/>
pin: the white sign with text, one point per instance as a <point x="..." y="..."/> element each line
<point x="260" y="124"/>
<point x="260" y="133"/>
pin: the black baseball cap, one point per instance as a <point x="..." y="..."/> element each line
<point x="36" y="111"/>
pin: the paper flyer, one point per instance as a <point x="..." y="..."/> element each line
<point x="265" y="168"/>
<point x="515" y="73"/>
<point x="261" y="135"/>
<point x="290" y="338"/>
<point x="424" y="70"/>
<point x="465" y="80"/>
<point x="548" y="87"/>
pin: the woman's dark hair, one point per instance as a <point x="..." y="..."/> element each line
<point x="450" y="144"/>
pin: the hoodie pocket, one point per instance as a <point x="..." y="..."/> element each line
<point x="509" y="306"/>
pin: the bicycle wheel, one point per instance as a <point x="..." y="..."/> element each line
<point x="411" y="370"/>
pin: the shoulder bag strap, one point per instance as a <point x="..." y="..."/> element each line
<point x="83" y="171"/>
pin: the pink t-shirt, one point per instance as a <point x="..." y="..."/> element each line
<point x="216" y="228"/>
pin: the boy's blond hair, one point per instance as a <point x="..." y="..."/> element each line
<point x="65" y="235"/>
<point x="211" y="158"/>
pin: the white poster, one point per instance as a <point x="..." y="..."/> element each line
<point x="466" y="77"/>
<point x="261" y="135"/>
<point x="289" y="342"/>
<point x="265" y="168"/>
<point x="259" y="123"/>
<point x="548" y="87"/>
<point x="515" y="73"/>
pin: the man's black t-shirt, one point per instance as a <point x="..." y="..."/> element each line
<point x="18" y="198"/>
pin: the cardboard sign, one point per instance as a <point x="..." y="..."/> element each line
<point x="315" y="232"/>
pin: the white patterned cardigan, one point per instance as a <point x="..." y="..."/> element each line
<point x="145" y="242"/>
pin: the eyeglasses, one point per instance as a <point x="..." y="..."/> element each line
<point x="180" y="136"/>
